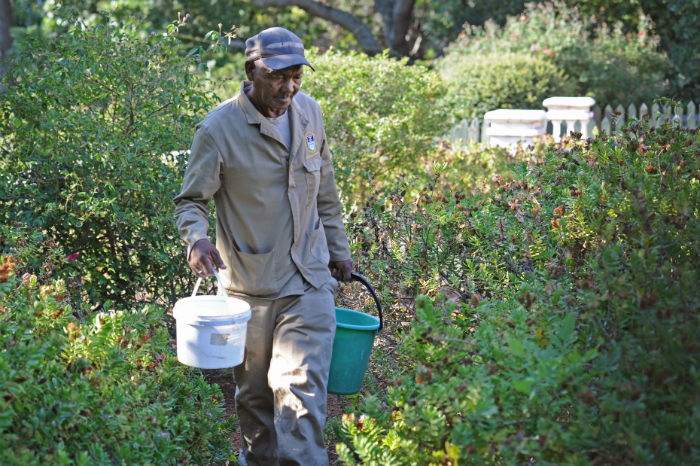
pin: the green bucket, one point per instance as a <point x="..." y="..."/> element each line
<point x="352" y="346"/>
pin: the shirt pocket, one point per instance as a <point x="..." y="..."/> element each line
<point x="312" y="167"/>
<point x="254" y="274"/>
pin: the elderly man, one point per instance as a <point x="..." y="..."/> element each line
<point x="280" y="244"/>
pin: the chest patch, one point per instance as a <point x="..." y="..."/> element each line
<point x="311" y="141"/>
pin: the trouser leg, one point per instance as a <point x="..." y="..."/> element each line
<point x="298" y="375"/>
<point x="254" y="397"/>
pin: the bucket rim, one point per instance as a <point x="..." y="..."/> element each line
<point x="180" y="313"/>
<point x="373" y="327"/>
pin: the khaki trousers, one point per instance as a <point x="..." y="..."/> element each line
<point x="281" y="384"/>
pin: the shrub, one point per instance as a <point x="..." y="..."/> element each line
<point x="381" y="115"/>
<point x="581" y="345"/>
<point x="98" y="389"/>
<point x="89" y="133"/>
<point x="479" y="83"/>
<point x="607" y="64"/>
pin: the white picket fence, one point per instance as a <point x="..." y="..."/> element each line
<point x="475" y="131"/>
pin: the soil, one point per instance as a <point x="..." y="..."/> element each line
<point x="224" y="378"/>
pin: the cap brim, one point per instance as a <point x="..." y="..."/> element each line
<point x="279" y="62"/>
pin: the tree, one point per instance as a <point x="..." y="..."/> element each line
<point x="5" y="36"/>
<point x="674" y="21"/>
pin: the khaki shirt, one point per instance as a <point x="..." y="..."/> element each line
<point x="278" y="216"/>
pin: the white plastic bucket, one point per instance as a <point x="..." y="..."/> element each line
<point x="211" y="330"/>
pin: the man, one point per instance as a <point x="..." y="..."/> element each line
<point x="263" y="156"/>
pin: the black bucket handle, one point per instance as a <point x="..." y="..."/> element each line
<point x="359" y="278"/>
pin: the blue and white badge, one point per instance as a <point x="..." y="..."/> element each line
<point x="311" y="141"/>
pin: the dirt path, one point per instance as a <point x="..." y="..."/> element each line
<point x="225" y="381"/>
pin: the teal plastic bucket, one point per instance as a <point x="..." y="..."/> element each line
<point x="352" y="346"/>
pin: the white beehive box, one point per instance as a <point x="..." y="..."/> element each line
<point x="511" y="127"/>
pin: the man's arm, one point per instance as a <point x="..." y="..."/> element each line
<point x="330" y="211"/>
<point x="202" y="179"/>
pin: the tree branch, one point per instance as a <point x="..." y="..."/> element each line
<point x="346" y="20"/>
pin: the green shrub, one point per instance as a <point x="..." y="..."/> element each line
<point x="380" y="114"/>
<point x="89" y="132"/>
<point x="607" y="64"/>
<point x="99" y="389"/>
<point x="479" y="83"/>
<point x="574" y="337"/>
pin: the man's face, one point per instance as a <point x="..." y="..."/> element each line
<point x="274" y="89"/>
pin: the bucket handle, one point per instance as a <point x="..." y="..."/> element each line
<point x="221" y="289"/>
<point x="359" y="278"/>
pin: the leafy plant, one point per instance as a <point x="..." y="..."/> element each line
<point x="380" y="114"/>
<point x="91" y="141"/>
<point x="495" y="80"/>
<point x="574" y="339"/>
<point x="607" y="64"/>
<point x="103" y="389"/>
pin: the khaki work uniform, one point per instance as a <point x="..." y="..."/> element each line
<point x="278" y="224"/>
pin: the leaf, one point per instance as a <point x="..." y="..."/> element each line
<point x="516" y="347"/>
<point x="523" y="385"/>
<point x="566" y="328"/>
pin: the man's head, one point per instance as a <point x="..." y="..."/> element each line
<point x="274" y="65"/>
<point x="273" y="90"/>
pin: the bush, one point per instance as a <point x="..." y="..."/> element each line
<point x="380" y="114"/>
<point x="572" y="335"/>
<point x="80" y="388"/>
<point x="479" y="83"/>
<point x="607" y="64"/>
<point x="89" y="132"/>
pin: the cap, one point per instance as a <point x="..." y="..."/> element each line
<point x="278" y="48"/>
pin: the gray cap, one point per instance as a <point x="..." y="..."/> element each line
<point x="278" y="48"/>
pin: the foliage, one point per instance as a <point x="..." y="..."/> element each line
<point x="89" y="138"/>
<point x="380" y="114"/>
<point x="80" y="388"/>
<point x="607" y="64"/>
<point x="443" y="20"/>
<point x="411" y="240"/>
<point x="581" y="348"/>
<point x="479" y="83"/>
<point x="674" y="21"/>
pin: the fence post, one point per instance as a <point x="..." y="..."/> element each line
<point x="667" y="113"/>
<point x="692" y="116"/>
<point x="475" y="130"/>
<point x="632" y="111"/>
<point x="596" y="115"/>
<point x="605" y="126"/>
<point x="607" y="113"/>
<point x="620" y="119"/>
<point x="454" y="134"/>
<point x="464" y="132"/>
<point x="678" y="115"/>
<point x="484" y="136"/>
<point x="643" y="111"/>
<point x="591" y="126"/>
<point x="655" y="115"/>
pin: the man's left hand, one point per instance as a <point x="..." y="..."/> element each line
<point x="342" y="270"/>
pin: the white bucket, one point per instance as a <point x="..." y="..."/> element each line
<point x="211" y="330"/>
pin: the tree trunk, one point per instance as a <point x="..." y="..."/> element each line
<point x="397" y="16"/>
<point x="403" y="14"/>
<point x="346" y="20"/>
<point x="5" y="37"/>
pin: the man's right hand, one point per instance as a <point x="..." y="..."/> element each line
<point x="204" y="257"/>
